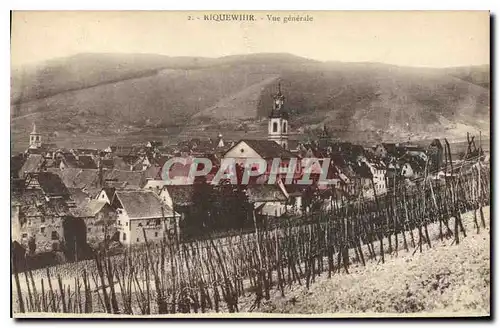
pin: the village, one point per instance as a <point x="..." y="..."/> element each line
<point x="73" y="201"/>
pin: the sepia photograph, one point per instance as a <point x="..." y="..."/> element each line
<point x="250" y="164"/>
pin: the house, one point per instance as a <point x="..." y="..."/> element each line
<point x="38" y="222"/>
<point x="124" y="179"/>
<point x="178" y="172"/>
<point x="413" y="166"/>
<point x="67" y="160"/>
<point x="50" y="184"/>
<point x="267" y="199"/>
<point x="141" y="213"/>
<point x="378" y="171"/>
<point x="99" y="218"/>
<point x="87" y="180"/>
<point x="142" y="163"/>
<point x="178" y="197"/>
<point x="40" y="212"/>
<point x="155" y="185"/>
<point x="106" y="194"/>
<point x="267" y="150"/>
<point x="363" y="180"/>
<point x="294" y="193"/>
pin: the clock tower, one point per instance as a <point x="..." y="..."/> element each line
<point x="278" y="121"/>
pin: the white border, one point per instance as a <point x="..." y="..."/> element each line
<point x="184" y="5"/>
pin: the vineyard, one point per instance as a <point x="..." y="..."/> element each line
<point x="213" y="275"/>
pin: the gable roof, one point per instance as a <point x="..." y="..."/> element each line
<point x="50" y="183"/>
<point x="33" y="203"/>
<point x="89" y="208"/>
<point x="265" y="193"/>
<point x="125" y="179"/>
<point x="70" y="160"/>
<point x="78" y="178"/>
<point x="143" y="204"/>
<point x="110" y="192"/>
<point x="267" y="148"/>
<point x="33" y="163"/>
<point x="182" y="195"/>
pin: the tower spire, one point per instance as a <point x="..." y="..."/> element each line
<point x="35" y="138"/>
<point x="278" y="120"/>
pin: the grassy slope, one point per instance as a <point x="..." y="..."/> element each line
<point x="441" y="280"/>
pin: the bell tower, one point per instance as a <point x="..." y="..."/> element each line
<point x="35" y="138"/>
<point x="278" y="120"/>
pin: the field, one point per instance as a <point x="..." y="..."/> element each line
<point x="442" y="280"/>
<point x="241" y="273"/>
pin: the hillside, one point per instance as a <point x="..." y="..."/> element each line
<point x="96" y="96"/>
<point x="444" y="280"/>
<point x="479" y="75"/>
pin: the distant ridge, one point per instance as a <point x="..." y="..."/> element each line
<point x="106" y="95"/>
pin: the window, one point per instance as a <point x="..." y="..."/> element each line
<point x="126" y="224"/>
<point x="119" y="223"/>
<point x="54" y="235"/>
<point x="42" y="229"/>
<point x="156" y="234"/>
<point x="25" y="235"/>
<point x="42" y="219"/>
<point x="275" y="127"/>
<point x="158" y="221"/>
<point x="137" y="240"/>
<point x="124" y="236"/>
<point x="284" y="127"/>
<point x="88" y="229"/>
<point x="102" y="229"/>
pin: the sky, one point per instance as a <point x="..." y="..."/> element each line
<point x="412" y="38"/>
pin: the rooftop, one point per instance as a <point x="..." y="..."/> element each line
<point x="143" y="204"/>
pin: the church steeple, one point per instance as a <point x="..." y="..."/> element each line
<point x="278" y="120"/>
<point x="35" y="138"/>
<point x="278" y="104"/>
